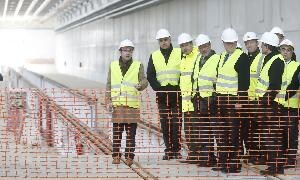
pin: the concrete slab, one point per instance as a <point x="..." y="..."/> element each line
<point x="49" y="71"/>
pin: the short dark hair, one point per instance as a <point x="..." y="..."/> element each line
<point x="271" y="48"/>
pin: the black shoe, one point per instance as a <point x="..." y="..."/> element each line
<point x="206" y="163"/>
<point x="211" y="163"/>
<point x="177" y="156"/>
<point x="167" y="157"/>
<point x="190" y="160"/>
<point x="225" y="170"/>
<point x="290" y="164"/>
<point x="218" y="169"/>
<point x="202" y="164"/>
<point x="271" y="172"/>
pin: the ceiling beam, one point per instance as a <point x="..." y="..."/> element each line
<point x="33" y="3"/>
<point x="58" y="9"/>
<point x="42" y="6"/>
<point x="5" y="9"/>
<point x="18" y="8"/>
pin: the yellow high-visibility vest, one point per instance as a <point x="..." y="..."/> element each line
<point x="255" y="69"/>
<point x="186" y="69"/>
<point x="287" y="76"/>
<point x="263" y="80"/>
<point x="227" y="81"/>
<point x="205" y="78"/>
<point x="123" y="91"/>
<point x="167" y="73"/>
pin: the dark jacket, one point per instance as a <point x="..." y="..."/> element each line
<point x="163" y="98"/>
<point x="202" y="105"/>
<point x="253" y="55"/>
<point x="151" y="73"/>
<point x="212" y="52"/>
<point x="242" y="67"/>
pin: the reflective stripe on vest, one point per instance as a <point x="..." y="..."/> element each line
<point x="186" y="69"/>
<point x="254" y="74"/>
<point x="289" y="71"/>
<point x="227" y="81"/>
<point x="167" y="73"/>
<point x="294" y="101"/>
<point x="123" y="91"/>
<point x="205" y="78"/>
<point x="263" y="80"/>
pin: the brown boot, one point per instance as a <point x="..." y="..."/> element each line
<point x="129" y="161"/>
<point x="116" y="160"/>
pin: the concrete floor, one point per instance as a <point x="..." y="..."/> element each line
<point x="38" y="161"/>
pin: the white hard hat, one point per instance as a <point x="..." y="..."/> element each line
<point x="202" y="39"/>
<point x="162" y="33"/>
<point x="270" y="38"/>
<point x="229" y="35"/>
<point x="287" y="42"/>
<point x="126" y="43"/>
<point x="184" y="38"/>
<point x="277" y="30"/>
<point x="249" y="36"/>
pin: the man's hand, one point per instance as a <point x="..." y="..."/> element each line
<point x="138" y="86"/>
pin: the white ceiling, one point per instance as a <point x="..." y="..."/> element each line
<point x="59" y="14"/>
<point x="28" y="13"/>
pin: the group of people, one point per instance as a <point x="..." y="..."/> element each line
<point x="228" y="102"/>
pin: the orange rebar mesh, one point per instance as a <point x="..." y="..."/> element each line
<point x="61" y="133"/>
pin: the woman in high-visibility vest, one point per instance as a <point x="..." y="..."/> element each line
<point x="125" y="79"/>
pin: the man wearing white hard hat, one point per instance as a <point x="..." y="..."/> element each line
<point x="288" y="98"/>
<point x="279" y="33"/>
<point x="163" y="75"/>
<point x="204" y="79"/>
<point x="125" y="80"/>
<point x="268" y="86"/>
<point x="249" y="125"/>
<point x="232" y="85"/>
<point x="188" y="60"/>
